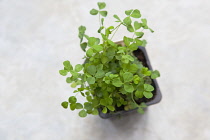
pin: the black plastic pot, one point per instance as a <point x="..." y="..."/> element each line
<point x="157" y="93"/>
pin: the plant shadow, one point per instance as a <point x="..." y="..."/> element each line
<point x="124" y="126"/>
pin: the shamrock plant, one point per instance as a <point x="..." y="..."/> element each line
<point x="111" y="77"/>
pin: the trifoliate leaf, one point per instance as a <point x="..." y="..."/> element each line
<point x="136" y="14"/>
<point x="82" y="113"/>
<point x="130" y="28"/>
<point x="79" y="106"/>
<point x="155" y="74"/>
<point x="78" y="67"/>
<point x="127" y="76"/>
<point x="117" y="82"/>
<point x="128" y="12"/>
<point x="136" y="79"/>
<point x="93" y="12"/>
<point x="127" y="21"/>
<point x="63" y="72"/>
<point x="101" y="5"/>
<point x="91" y="80"/>
<point x="64" y="104"/>
<point x="139" y="34"/>
<point x="137" y="25"/>
<point x="147" y="94"/>
<point x="67" y="65"/>
<point x="104" y="110"/>
<point x="148" y="87"/>
<point x="103" y="13"/>
<point x="91" y="69"/>
<point x="128" y="88"/>
<point x="72" y="99"/>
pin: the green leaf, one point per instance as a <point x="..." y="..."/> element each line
<point x="73" y="85"/>
<point x="91" y="80"/>
<point x="73" y="106"/>
<point x="128" y="12"/>
<point x="82" y="30"/>
<point x="72" y="99"/>
<point x="151" y="30"/>
<point x="68" y="80"/>
<point x="101" y="5"/>
<point x="140" y="110"/>
<point x="82" y="113"/>
<point x="67" y="65"/>
<point x="102" y="21"/>
<point x="64" y="104"/>
<point x="136" y="14"/>
<point x="88" y="106"/>
<point x="133" y="68"/>
<point x="110" y="53"/>
<point x="127" y="21"/>
<point x="111" y="108"/>
<point x="89" y="98"/>
<point x="127" y="76"/>
<point x="104" y="110"/>
<point x="104" y="59"/>
<point x="100" y="29"/>
<point x="130" y="28"/>
<point x="133" y="47"/>
<point x="148" y="87"/>
<point x="128" y="88"/>
<point x="117" y="82"/>
<point x="139" y="34"/>
<point x="89" y="52"/>
<point x="79" y="106"/>
<point x="137" y="25"/>
<point x="98" y="48"/>
<point x="63" y="72"/>
<point x="103" y="102"/>
<point x="78" y="67"/>
<point x="148" y="94"/>
<point x="144" y="43"/>
<point x="126" y="41"/>
<point x="91" y="69"/>
<point x="145" y="71"/>
<point x="115" y="16"/>
<point x="155" y="74"/>
<point x="143" y="105"/>
<point x="100" y="74"/>
<point x="144" y="21"/>
<point x="83" y="46"/>
<point x="103" y="13"/>
<point x="138" y="42"/>
<point x="91" y="41"/>
<point x="93" y="12"/>
<point x="95" y="112"/>
<point x="139" y="94"/>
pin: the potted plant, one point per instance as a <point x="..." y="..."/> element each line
<point x="116" y="77"/>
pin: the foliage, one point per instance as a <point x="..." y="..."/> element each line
<point x="111" y="76"/>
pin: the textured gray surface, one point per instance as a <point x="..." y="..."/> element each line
<point x="36" y="36"/>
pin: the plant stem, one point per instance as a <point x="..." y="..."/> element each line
<point x="133" y="99"/>
<point x="115" y="30"/>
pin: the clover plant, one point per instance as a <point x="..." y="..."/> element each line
<point x="111" y="76"/>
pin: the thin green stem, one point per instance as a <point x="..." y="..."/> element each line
<point x="115" y="30"/>
<point x="133" y="99"/>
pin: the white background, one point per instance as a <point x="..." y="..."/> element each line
<point x="36" y="36"/>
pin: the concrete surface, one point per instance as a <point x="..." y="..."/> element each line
<point x="36" y="36"/>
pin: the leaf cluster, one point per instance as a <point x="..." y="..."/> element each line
<point x="111" y="76"/>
